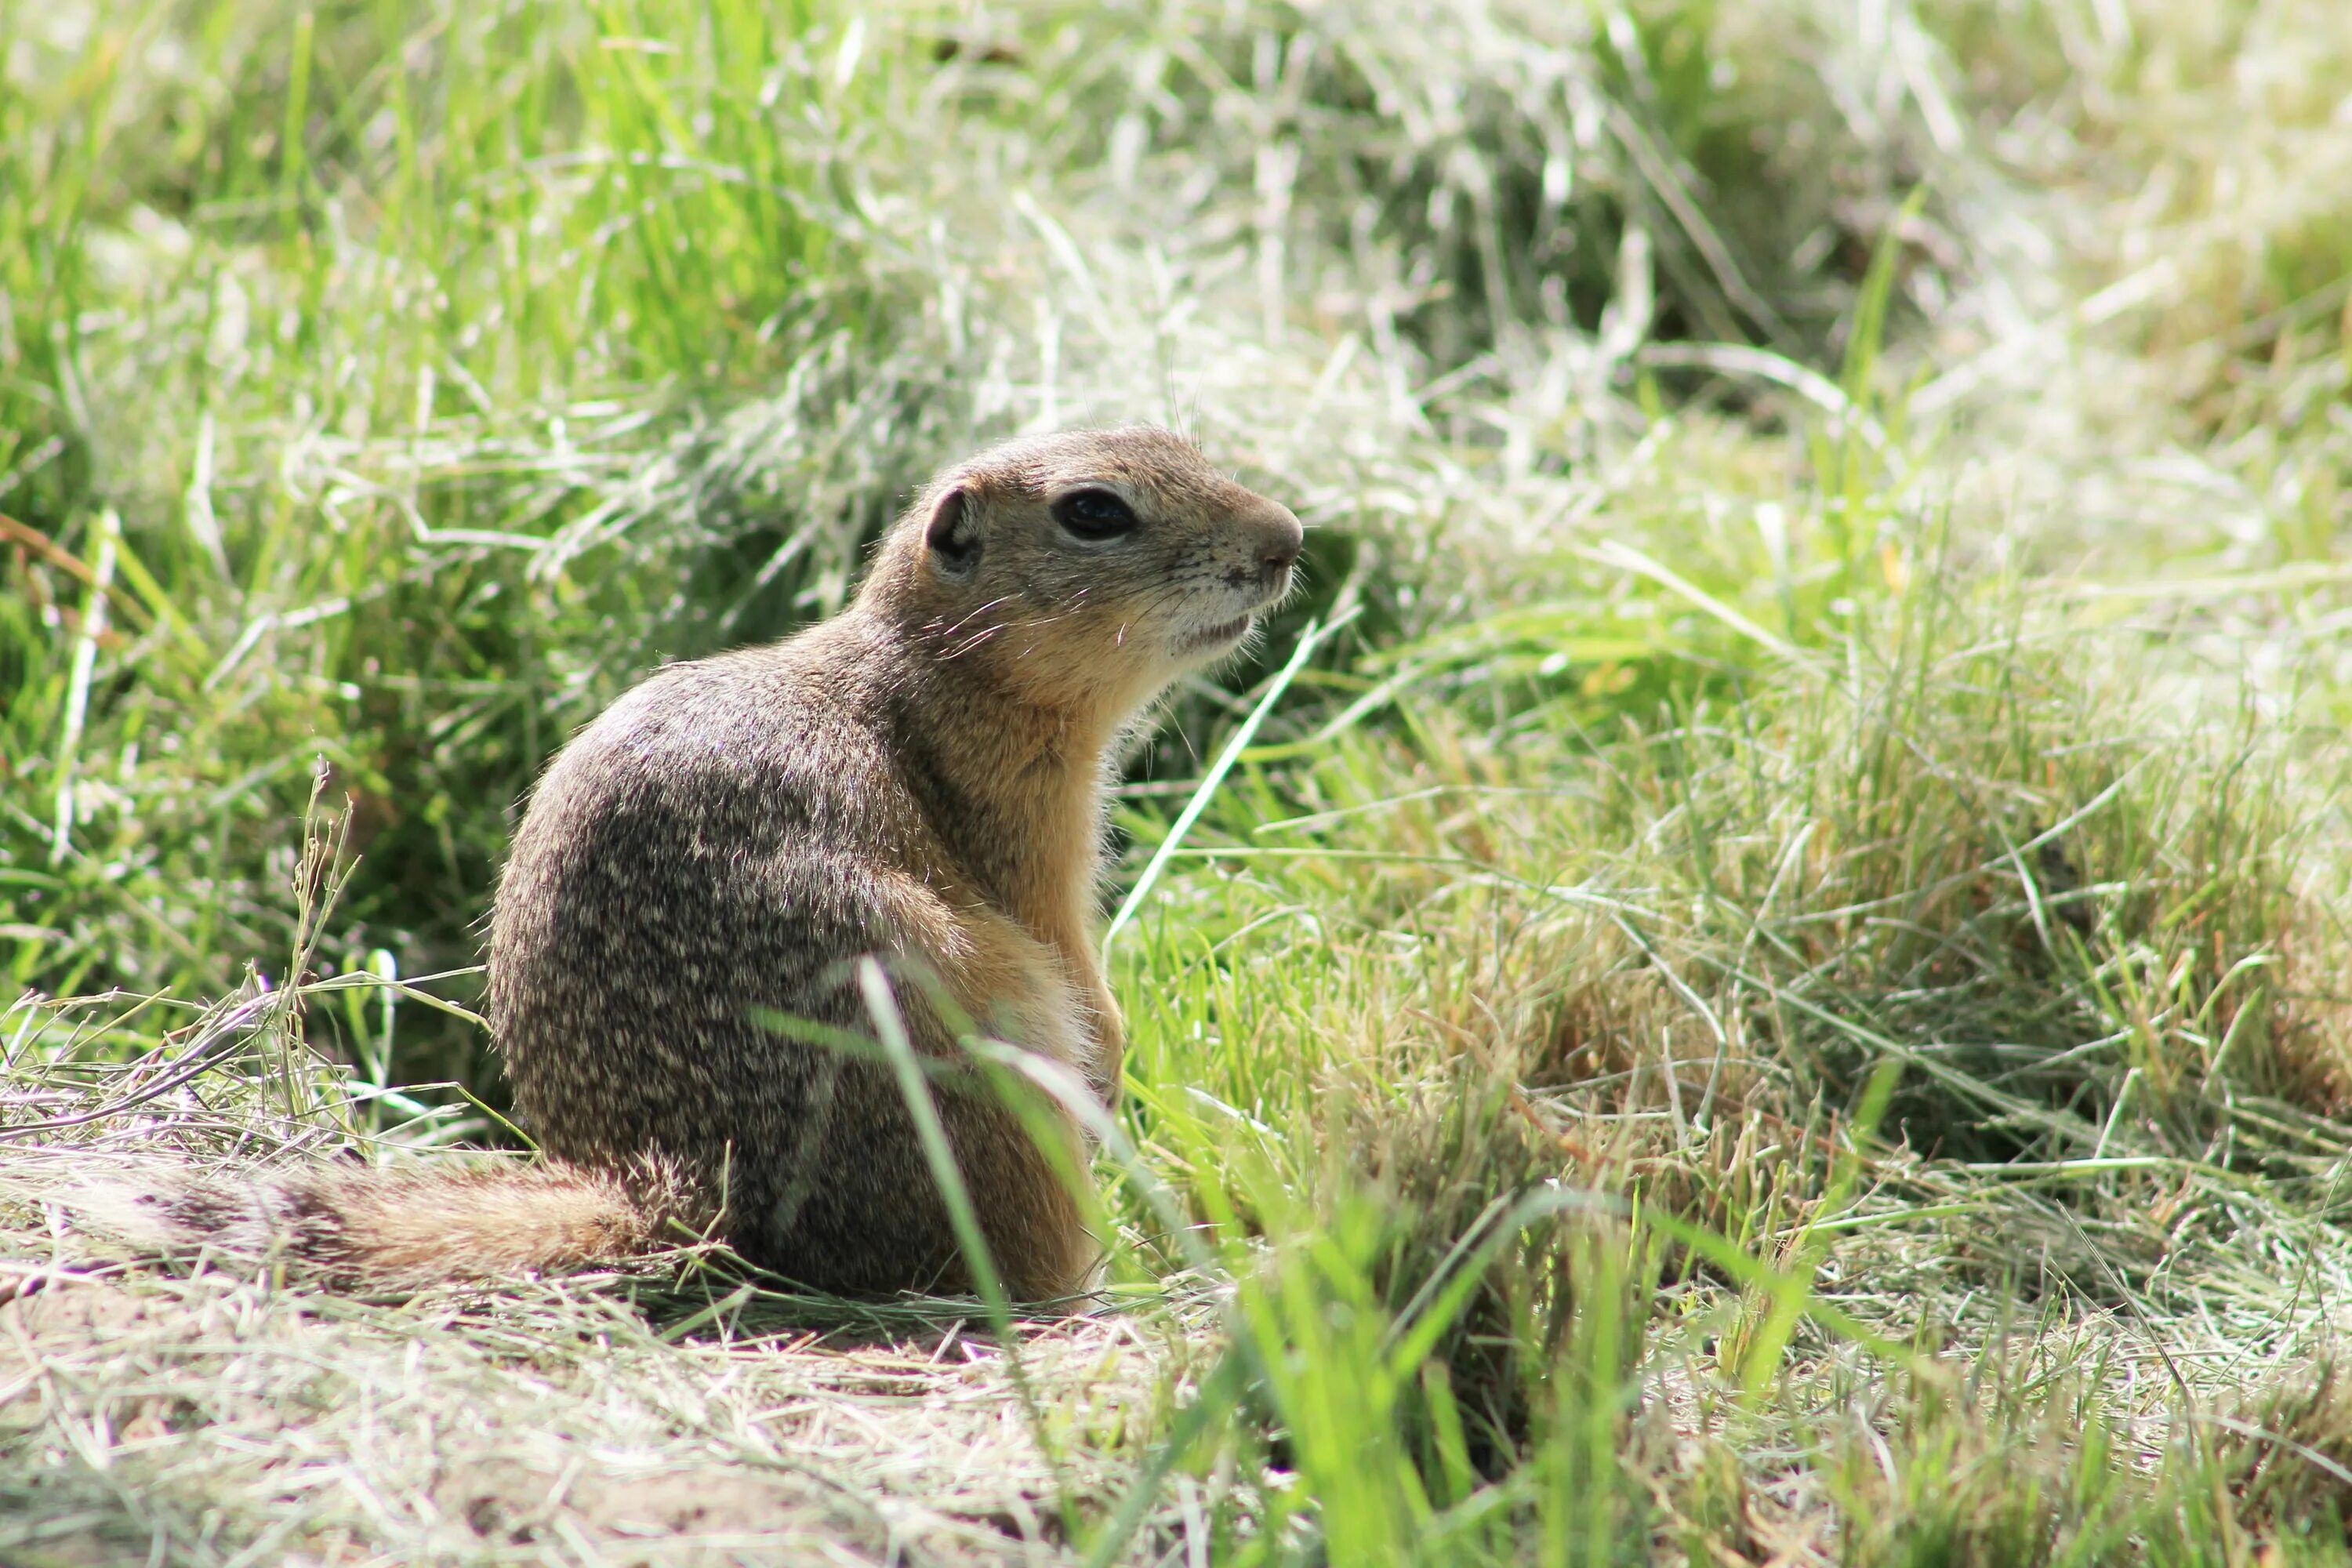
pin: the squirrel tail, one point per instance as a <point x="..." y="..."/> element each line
<point x="405" y="1227"/>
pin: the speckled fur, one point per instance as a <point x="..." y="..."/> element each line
<point x="407" y="1225"/>
<point x="919" y="780"/>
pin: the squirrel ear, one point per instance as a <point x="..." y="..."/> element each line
<point x="952" y="532"/>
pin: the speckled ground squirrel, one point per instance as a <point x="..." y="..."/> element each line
<point x="920" y="778"/>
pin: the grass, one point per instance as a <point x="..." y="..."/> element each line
<point x="1772" y="988"/>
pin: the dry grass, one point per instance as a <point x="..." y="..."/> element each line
<point x="181" y="1416"/>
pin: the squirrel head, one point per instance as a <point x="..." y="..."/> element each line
<point x="1088" y="569"/>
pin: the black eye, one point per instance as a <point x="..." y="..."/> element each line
<point x="1094" y="514"/>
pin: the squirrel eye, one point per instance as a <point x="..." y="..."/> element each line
<point x="1094" y="514"/>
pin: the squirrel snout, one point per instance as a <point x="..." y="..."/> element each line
<point x="1269" y="540"/>
<point x="1283" y="540"/>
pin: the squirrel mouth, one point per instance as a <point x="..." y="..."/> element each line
<point x="1217" y="637"/>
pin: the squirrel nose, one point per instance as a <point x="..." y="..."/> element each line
<point x="1284" y="541"/>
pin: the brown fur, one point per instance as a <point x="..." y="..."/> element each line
<point x="398" y="1227"/>
<point x="919" y="779"/>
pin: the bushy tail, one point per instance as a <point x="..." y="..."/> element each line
<point x="401" y="1227"/>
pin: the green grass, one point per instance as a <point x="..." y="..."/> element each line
<point x="1776" y="990"/>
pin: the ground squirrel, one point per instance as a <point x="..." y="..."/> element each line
<point x="920" y="778"/>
